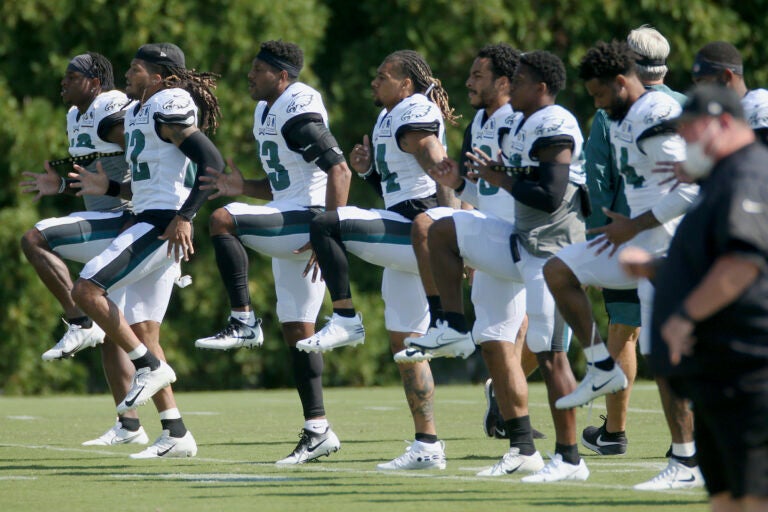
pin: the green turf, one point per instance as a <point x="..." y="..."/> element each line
<point x="240" y="434"/>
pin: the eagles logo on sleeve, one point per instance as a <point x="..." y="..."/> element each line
<point x="657" y="114"/>
<point x="299" y="103"/>
<point x="416" y="112"/>
<point x="177" y="103"/>
<point x="549" y="124"/>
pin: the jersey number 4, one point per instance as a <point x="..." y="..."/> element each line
<point x="390" y="178"/>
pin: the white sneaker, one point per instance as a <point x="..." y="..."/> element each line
<point x="340" y="331"/>
<point x="513" y="462"/>
<point x="74" y="340"/>
<point x="440" y="341"/>
<point x="235" y="335"/>
<point x="167" y="446"/>
<point x="418" y="455"/>
<point x="311" y="446"/>
<point x="675" y="476"/>
<point x="145" y="384"/>
<point x="119" y="435"/>
<point x="558" y="470"/>
<point x="596" y="383"/>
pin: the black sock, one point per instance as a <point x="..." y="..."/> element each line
<point x="83" y="321"/>
<point x="232" y="261"/>
<point x="308" y="374"/>
<point x="147" y="359"/>
<point x="690" y="462"/>
<point x="325" y="235"/>
<point x="130" y="424"/>
<point x="175" y="427"/>
<point x="605" y="364"/>
<point x="570" y="453"/>
<point x="345" y="312"/>
<point x="520" y="434"/>
<point x="426" y="438"/>
<point x="456" y="321"/>
<point x="435" y="309"/>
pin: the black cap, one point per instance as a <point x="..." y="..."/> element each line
<point x="710" y="100"/>
<point x="163" y="54"/>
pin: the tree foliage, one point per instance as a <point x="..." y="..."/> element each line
<point x="344" y="42"/>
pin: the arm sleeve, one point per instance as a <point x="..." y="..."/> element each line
<point x="109" y="122"/>
<point x="466" y="146"/>
<point x="307" y="135"/>
<point x="199" y="148"/>
<point x="547" y="192"/>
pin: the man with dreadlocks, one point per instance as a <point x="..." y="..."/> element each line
<point x="165" y="147"/>
<point x="639" y="138"/>
<point x="408" y="139"/>
<point x="306" y="172"/>
<point x="94" y="127"/>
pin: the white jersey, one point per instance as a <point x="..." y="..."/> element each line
<point x="552" y="121"/>
<point x="290" y="176"/>
<point x="402" y="178"/>
<point x="486" y="136"/>
<point x="755" y="104"/>
<point x="639" y="142"/>
<point x="161" y="175"/>
<point x="82" y="129"/>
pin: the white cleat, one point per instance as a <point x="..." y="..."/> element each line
<point x="235" y="335"/>
<point x="440" y="341"/>
<point x="596" y="383"/>
<point x="145" y="384"/>
<point x="340" y="331"/>
<point x="168" y="447"/>
<point x="558" y="470"/>
<point x="118" y="435"/>
<point x="418" y="455"/>
<point x="311" y="446"/>
<point x="675" y="476"/>
<point x="513" y="462"/>
<point x="74" y="340"/>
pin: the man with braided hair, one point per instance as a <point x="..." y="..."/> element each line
<point x="165" y="147"/>
<point x="306" y="173"/>
<point x="408" y="139"/>
<point x="94" y="127"/>
<point x="640" y="138"/>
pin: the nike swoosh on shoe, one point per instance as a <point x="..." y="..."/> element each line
<point x="164" y="452"/>
<point x="132" y="400"/>
<point x="601" y="386"/>
<point x="599" y="441"/>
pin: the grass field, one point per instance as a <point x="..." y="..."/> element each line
<point x="240" y="435"/>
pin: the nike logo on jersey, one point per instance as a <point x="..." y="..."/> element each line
<point x="600" y="441"/>
<point x="133" y="399"/>
<point x="601" y="386"/>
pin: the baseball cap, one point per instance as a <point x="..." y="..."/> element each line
<point x="163" y="54"/>
<point x="710" y="100"/>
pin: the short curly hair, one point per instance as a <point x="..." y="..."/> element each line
<point x="289" y="52"/>
<point x="503" y="57"/>
<point x="547" y="67"/>
<point x="605" y="61"/>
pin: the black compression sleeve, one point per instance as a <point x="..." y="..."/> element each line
<point x="547" y="193"/>
<point x="199" y="148"/>
<point x="307" y="134"/>
<point x="106" y="124"/>
<point x="466" y="147"/>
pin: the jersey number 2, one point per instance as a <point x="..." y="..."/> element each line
<point x="136" y="141"/>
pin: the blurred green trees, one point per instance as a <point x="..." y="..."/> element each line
<point x="344" y="41"/>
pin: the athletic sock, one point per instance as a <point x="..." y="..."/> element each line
<point x="83" y="321"/>
<point x="308" y="375"/>
<point x="426" y="438"/>
<point x="130" y="424"/>
<point x="520" y="434"/>
<point x="435" y="309"/>
<point x="316" y="425"/>
<point x="171" y="421"/>
<point x="345" y="312"/>
<point x="569" y="452"/>
<point x="456" y="321"/>
<point x="599" y="356"/>
<point x="142" y="358"/>
<point x="246" y="317"/>
<point x="232" y="261"/>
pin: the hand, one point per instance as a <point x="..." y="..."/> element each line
<point x="89" y="183"/>
<point x="179" y="236"/>
<point x="637" y="263"/>
<point x="446" y="173"/>
<point x="622" y="229"/>
<point x="676" y="333"/>
<point x="232" y="184"/>
<point x="479" y="165"/>
<point x="677" y="171"/>
<point x="360" y="156"/>
<point x="45" y="183"/>
<point x="312" y="263"/>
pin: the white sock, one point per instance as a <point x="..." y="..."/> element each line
<point x="170" y="414"/>
<point x="684" y="449"/>
<point x="596" y="353"/>
<point x="137" y="352"/>
<point x="247" y="317"/>
<point x="317" y="425"/>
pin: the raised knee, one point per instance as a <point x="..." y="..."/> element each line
<point x="220" y="222"/>
<point x="420" y="228"/>
<point x="32" y="240"/>
<point x="557" y="274"/>
<point x="442" y="230"/>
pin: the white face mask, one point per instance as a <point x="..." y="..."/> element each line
<point x="697" y="163"/>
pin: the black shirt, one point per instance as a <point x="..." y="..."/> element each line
<point x="729" y="217"/>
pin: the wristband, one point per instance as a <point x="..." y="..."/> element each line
<point x="113" y="189"/>
<point x="461" y="187"/>
<point x="62" y="186"/>
<point x="683" y="313"/>
<point x="512" y="171"/>
<point x="365" y="174"/>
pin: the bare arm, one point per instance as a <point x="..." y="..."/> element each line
<point x="429" y="152"/>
